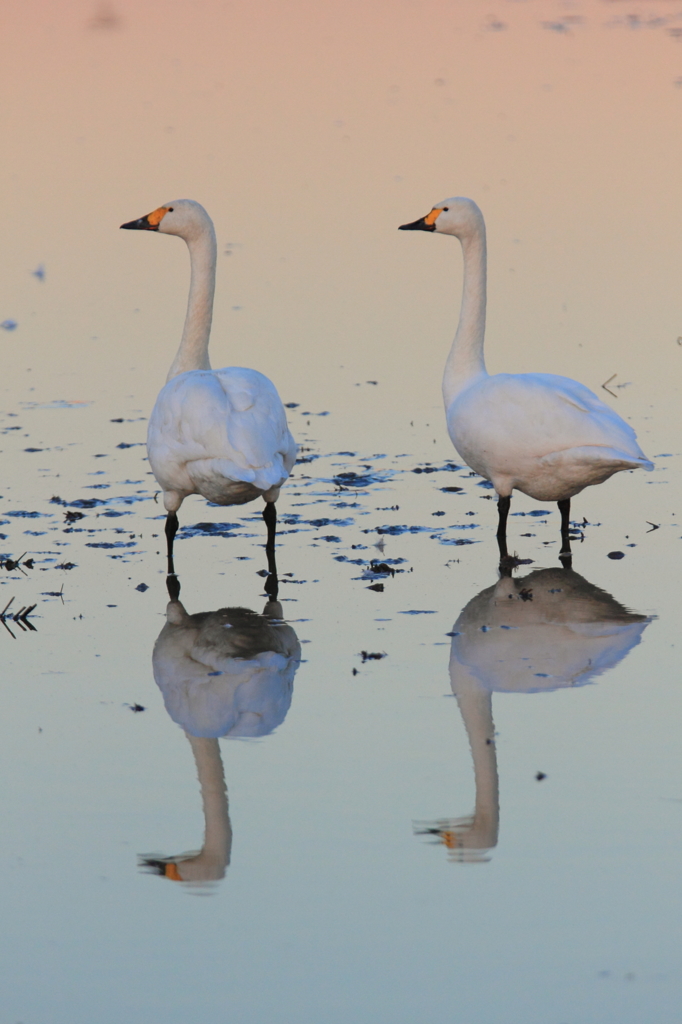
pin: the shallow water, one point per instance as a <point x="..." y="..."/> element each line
<point x="375" y="857"/>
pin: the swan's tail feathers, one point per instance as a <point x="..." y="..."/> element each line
<point x="572" y="469"/>
<point x="224" y="482"/>
<point x="624" y="460"/>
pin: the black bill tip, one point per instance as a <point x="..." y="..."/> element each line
<point x="141" y="224"/>
<point x="416" y="225"/>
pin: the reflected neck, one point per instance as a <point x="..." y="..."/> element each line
<point x="193" y="351"/>
<point x="475" y="706"/>
<point x="218" y="835"/>
<point x="465" y="362"/>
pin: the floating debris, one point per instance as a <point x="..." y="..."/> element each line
<point x="209" y="529"/>
<point x="20" y="618"/>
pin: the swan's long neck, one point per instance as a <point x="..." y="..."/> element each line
<point x="465" y="361"/>
<point x="193" y="351"/>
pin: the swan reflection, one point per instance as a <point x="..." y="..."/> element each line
<point x="548" y="630"/>
<point x="227" y="673"/>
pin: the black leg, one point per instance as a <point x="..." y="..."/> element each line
<point x="502" y="511"/>
<point x="270" y="519"/>
<point x="171" y="530"/>
<point x="565" y="553"/>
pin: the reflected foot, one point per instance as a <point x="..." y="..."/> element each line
<point x="509" y="562"/>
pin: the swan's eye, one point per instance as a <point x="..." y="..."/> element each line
<point x="445" y="209"/>
<point x="170" y="209"/>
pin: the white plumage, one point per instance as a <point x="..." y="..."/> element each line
<point x="219" y="433"/>
<point x="542" y="434"/>
<point x="222" y="434"/>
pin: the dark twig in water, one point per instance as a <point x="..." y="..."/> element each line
<point x="607" y="388"/>
<point x="14" y="563"/>
<point x="20" y="617"/>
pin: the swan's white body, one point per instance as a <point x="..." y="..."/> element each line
<point x="542" y="434"/>
<point x="219" y="433"/>
<point x="222" y="434"/>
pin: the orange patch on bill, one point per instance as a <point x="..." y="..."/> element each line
<point x="449" y="839"/>
<point x="432" y="217"/>
<point x="172" y="869"/>
<point x="157" y="216"/>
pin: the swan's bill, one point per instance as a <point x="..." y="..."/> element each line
<point x="427" y="223"/>
<point x="149" y="223"/>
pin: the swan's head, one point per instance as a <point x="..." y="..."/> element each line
<point x="456" y="216"/>
<point x="181" y="217"/>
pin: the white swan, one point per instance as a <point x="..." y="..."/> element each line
<point x="219" y="433"/>
<point x="539" y="433"/>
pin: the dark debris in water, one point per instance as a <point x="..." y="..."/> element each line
<point x="448" y="467"/>
<point x="18" y="617"/>
<point x="350" y="478"/>
<point x="395" y="530"/>
<point x="534" y="512"/>
<point x="110" y="544"/>
<point x="209" y="529"/>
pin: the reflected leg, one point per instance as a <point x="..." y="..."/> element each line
<point x="502" y="511"/>
<point x="272" y="588"/>
<point x="173" y="587"/>
<point x="171" y="530"/>
<point x="565" y="553"/>
<point x="270" y="519"/>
